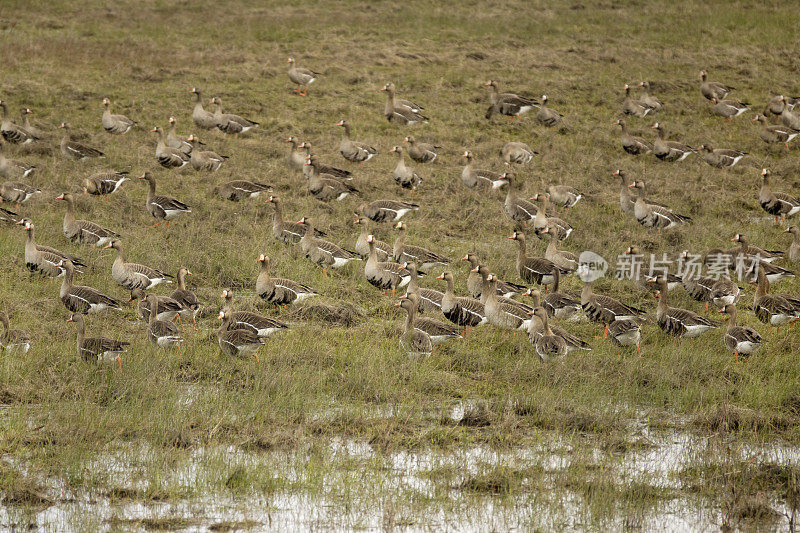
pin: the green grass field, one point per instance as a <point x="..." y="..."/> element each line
<point x="70" y="430"/>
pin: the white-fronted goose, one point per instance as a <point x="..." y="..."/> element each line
<point x="475" y="281"/>
<point x="777" y="204"/>
<point x="775" y="104"/>
<point x="133" y="275"/>
<point x="75" y="150"/>
<point x="641" y="279"/>
<point x="115" y="124"/>
<point x="633" y="106"/>
<point x="605" y="309"/>
<point x="386" y="210"/>
<point x="104" y="183"/>
<point x="296" y="158"/>
<point x="11" y="168"/>
<point x="80" y="298"/>
<point x="262" y="325"/>
<point x="713" y="90"/>
<point x="337" y="173"/>
<point x="509" y="104"/>
<point x="286" y="231"/>
<point x="775" y="134"/>
<point x="484" y="272"/>
<point x="204" y="159"/>
<point x="303" y="77"/>
<point x="14" y="133"/>
<point x="547" y="116"/>
<point x="38" y="135"/>
<point x="228" y="122"/>
<point x="793" y="253"/>
<point x="404" y="176"/>
<point x="626" y="198"/>
<point x="421" y="152"/>
<point x="162" y="333"/>
<point x="728" y="108"/>
<point x="773" y="309"/>
<point x="162" y="207"/>
<point x="515" y="152"/>
<point x="428" y="299"/>
<point x="461" y="310"/>
<point x="648" y="99"/>
<point x="625" y="332"/>
<point x="351" y="150"/>
<point x="565" y="261"/>
<point x="725" y="292"/>
<point x="787" y="116"/>
<point x="17" y="192"/>
<point x="238" y="190"/>
<point x="389" y="88"/>
<point x="167" y="307"/>
<point x="187" y="299"/>
<point x="669" y="150"/>
<point x="83" y="231"/>
<point x="176" y="141"/>
<point x="401" y="111"/>
<point x="279" y="291"/>
<point x="748" y="250"/>
<point x="424" y="258"/>
<point x="326" y="188"/>
<point x="721" y="157"/>
<point x="632" y="144"/>
<point x="746" y="265"/>
<point x="415" y="341"/>
<point x="383" y="249"/>
<point x="43" y="258"/>
<point x="472" y="177"/>
<point x="237" y="342"/>
<point x="564" y="195"/>
<point x="541" y="222"/>
<point x="13" y="340"/>
<point x="652" y="215"/>
<point x="384" y="275"/>
<point x="166" y="156"/>
<point x="202" y="118"/>
<point x="535" y="329"/>
<point x="536" y="270"/>
<point x="97" y="349"/>
<point x="741" y="340"/>
<point x="557" y="304"/>
<point x="324" y="253"/>
<point x="438" y="331"/>
<point x="504" y="315"/>
<point x="514" y="207"/>
<point x="676" y="321"/>
<point x="548" y="345"/>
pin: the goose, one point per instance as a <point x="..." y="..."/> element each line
<point x="202" y="118"/>
<point x="11" y="168"/>
<point x="438" y="331"/>
<point x="788" y="118"/>
<point x="326" y="188"/>
<point x="460" y="310"/>
<point x="564" y="195"/>
<point x="262" y="325"/>
<point x="162" y="207"/>
<point x="508" y="104"/>
<point x="176" y="141"/>
<point x="721" y="157"/>
<point x="475" y="281"/>
<point x="728" y="108"/>
<point x="83" y="231"/>
<point x="115" y="124"/>
<point x="97" y="349"/>
<point x="547" y="116"/>
<point x="504" y="315"/>
<point x="324" y="253"/>
<point x="423" y="257"/>
<point x="632" y="144"/>
<point x="548" y="345"/>
<point x="748" y="250"/>
<point x="237" y="342"/>
<point x="421" y="152"/>
<point x="669" y="150"/>
<point x="652" y="215"/>
<point x="104" y="183"/>
<point x="773" y="309"/>
<point x="535" y="329"/>
<point x="384" y="250"/>
<point x="13" y="340"/>
<point x="303" y="77"/>
<point x="725" y="292"/>
<point x="673" y="280"/>
<point x="398" y="111"/>
<point x="676" y="321"/>
<point x="14" y="133"/>
<point x="536" y="270"/>
<point x="354" y="151"/>
<point x="389" y="88"/>
<point x="605" y="309"/>
<point x="484" y="272"/>
<point x="565" y="261"/>
<point x="405" y="177"/>
<point x="775" y="104"/>
<point x="483" y="178"/>
<point x="228" y="122"/>
<point x="775" y="134"/>
<point x="415" y="341"/>
<point x="713" y="90"/>
<point x="428" y="299"/>
<point x="296" y="159"/>
<point x="43" y="258"/>
<point x="647" y="99"/>
<point x="75" y="150"/>
<point x="80" y="298"/>
<point x="169" y="157"/>
<point x="386" y="210"/>
<point x="777" y="204"/>
<point x="793" y="253"/>
<point x="516" y="208"/>
<point x="37" y="135"/>
<point x="746" y="265"/>
<point x="133" y="275"/>
<point x="632" y="106"/>
<point x="742" y="340"/>
<point x="162" y="333"/>
<point x="280" y="291"/>
<point x="557" y="304"/>
<point x="17" y="192"/>
<point x="287" y="232"/>
<point x="204" y="159"/>
<point x="541" y="222"/>
<point x="337" y="173"/>
<point x="516" y="152"/>
<point x="187" y="299"/>
<point x="384" y="275"/>
<point x="626" y="198"/>
<point x="625" y="332"/>
<point x="238" y="190"/>
<point x="167" y="307"/>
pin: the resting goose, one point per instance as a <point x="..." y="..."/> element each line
<point x="296" y="159"/>
<point x="162" y="333"/>
<point x="83" y="231"/>
<point x="423" y="257"/>
<point x="80" y="298"/>
<point x="303" y="77"/>
<point x="648" y="99"/>
<point x="202" y="118"/>
<point x="133" y="275"/>
<point x="669" y="150"/>
<point x="115" y="124"/>
<point x="548" y="345"/>
<point x="626" y="332"/>
<point x="721" y="157"/>
<point x="279" y="291"/>
<point x="775" y="134"/>
<point x="386" y="210"/>
<point x="713" y="90"/>
<point x="438" y="331"/>
<point x="187" y="299"/>
<point x="326" y="188"/>
<point x="237" y="342"/>
<point x="287" y="232"/>
<point x="483" y="178"/>
<point x="75" y="150"/>
<point x="401" y="111"/>
<point x="384" y="275"/>
<point x="167" y="307"/>
<point x="176" y="141"/>
<point x="777" y="204"/>
<point x="415" y="341"/>
<point x="461" y="310"/>
<point x="13" y="340"/>
<point x="204" y="159"/>
<point x="741" y="340"/>
<point x="405" y="177"/>
<point x="238" y="190"/>
<point x="169" y="157"/>
<point x="262" y="325"/>
<point x="793" y="253"/>
<point x="565" y="261"/>
<point x="354" y="151"/>
<point x="14" y="133"/>
<point x="541" y="222"/>
<point x="651" y="215"/>
<point x="11" y="168"/>
<point x="516" y="208"/>
<point x="324" y="253"/>
<point x="632" y="106"/>
<point x="728" y="108"/>
<point x="475" y="280"/>
<point x="43" y="258"/>
<point x="773" y="309"/>
<point x="564" y="195"/>
<point x="536" y="270"/>
<point x="788" y="118"/>
<point x="748" y="250"/>
<point x="162" y="207"/>
<point x="676" y="321"/>
<point x="17" y="192"/>
<point x="228" y="122"/>
<point x="421" y="152"/>
<point x="725" y="292"/>
<point x="97" y="349"/>
<point x="325" y="170"/>
<point x="509" y="104"/>
<point x="506" y="314"/>
<point x="384" y="251"/>
<point x="515" y="152"/>
<point x="104" y="183"/>
<point x="428" y="299"/>
<point x="632" y="144"/>
<point x="547" y="116"/>
<point x="605" y="309"/>
<point x="535" y="329"/>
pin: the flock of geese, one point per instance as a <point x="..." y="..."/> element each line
<point x="390" y="267"/>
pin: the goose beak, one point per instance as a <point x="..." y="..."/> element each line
<point x="531" y="313"/>
<point x="189" y="273"/>
<point x="474" y="269"/>
<point x="465" y="258"/>
<point x="786" y="230"/>
<point x="512" y="237"/>
<point x="60" y="197"/>
<point x="107" y="246"/>
<point x="440" y="276"/>
<point x="397" y="304"/>
<point x="70" y="319"/>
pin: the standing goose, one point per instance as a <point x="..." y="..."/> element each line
<point x="423" y="257"/>
<point x="162" y="207"/>
<point x="626" y="198"/>
<point x="296" y="158"/>
<point x="13" y="340"/>
<point x="392" y="101"/>
<point x="279" y="291"/>
<point x="43" y="258"/>
<point x="238" y="190"/>
<point x="386" y="210"/>
<point x="506" y="314"/>
<point x="475" y="281"/>
<point x="777" y="204"/>
<point x="651" y="215"/>
<point x="287" y="232"/>
<point x="133" y="275"/>
<point x="482" y="178"/>
<point x="167" y="307"/>
<point x="548" y="346"/>
<point x="565" y="261"/>
<point x="326" y="188"/>
<point x="228" y="122"/>
<point x="337" y="173"/>
<point x="166" y="156"/>
<point x="536" y="270"/>
<point x="773" y="309"/>
<point x="115" y="124"/>
<point x="405" y="177"/>
<point x="399" y="110"/>
<point x="80" y="298"/>
<point x="713" y="90"/>
<point x="625" y="332"/>
<point x="725" y="292"/>
<point x="793" y="254"/>
<point x="384" y="275"/>
<point x="728" y="108"/>
<point x="788" y="118"/>
<point x="263" y="326"/>
<point x="721" y="157"/>
<point x="324" y="253"/>
<point x="202" y="118"/>
<point x="237" y="342"/>
<point x="648" y="99"/>
<point x="632" y="144"/>
<point x="516" y="208"/>
<point x="17" y="192"/>
<point x="416" y="342"/>
<point x="535" y="329"/>
<point x="775" y="134"/>
<point x="428" y="299"/>
<point x="104" y="183"/>
<point x="542" y="222"/>
<point x="438" y="331"/>
<point x="775" y="104"/>
<point x="605" y="309"/>
<point x="421" y="152"/>
<point x="303" y="77"/>
<point x="97" y="349"/>
<point x="204" y="159"/>
<point x="75" y="150"/>
<point x="515" y="152"/>
<point x="547" y="116"/>
<point x="351" y="150"/>
<point x="742" y="340"/>
<point x="676" y="321"/>
<point x="558" y="304"/>
<point x="384" y="251"/>
<point x="484" y="272"/>
<point x="564" y="195"/>
<point x="11" y="168"/>
<point x="641" y="279"/>
<point x="632" y="106"/>
<point x="176" y="141"/>
<point x="162" y="333"/>
<point x="748" y="250"/>
<point x="509" y="104"/>
<point x="37" y="135"/>
<point x="14" y="133"/>
<point x="187" y="299"/>
<point x="669" y="150"/>
<point x="460" y="310"/>
<point x="83" y="231"/>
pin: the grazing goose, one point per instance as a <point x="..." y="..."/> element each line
<point x="17" y="192"/>
<point x="676" y="321"/>
<point x="713" y="90"/>
<point x="788" y="118"/>
<point x="547" y="116"/>
<point x="725" y="292"/>
<point x="162" y="333"/>
<point x="605" y="309"/>
<point x="775" y="134"/>
<point x="505" y="314"/>
<point x="721" y="157"/>
<point x="386" y="210"/>
<point x="748" y="250"/>
<point x="793" y="253"/>
<point x="237" y="342"/>
<point x="632" y="106"/>
<point x="536" y="270"/>
<point x="535" y="329"/>
<point x="777" y="204"/>
<point x="438" y="331"/>
<point x="773" y="309"/>
<point x="384" y="251"/>
<point x="541" y="222"/>
<point x="647" y="99"/>
<point x="728" y="108"/>
<point x="83" y="231"/>
<point x="104" y="183"/>
<point x="423" y="257"/>
<point x="14" y="133"/>
<point x="97" y="349"/>
<point x="303" y="77"/>
<point x="475" y="281"/>
<point x="162" y="207"/>
<point x="13" y="340"/>
<point x="238" y="190"/>
<point x="326" y="188"/>
<point x="509" y="104"/>
<point x="337" y="173"/>
<point x="384" y="275"/>
<point x="202" y="118"/>
<point x="460" y="310"/>
<point x="558" y="304"/>
<point x="324" y="253"/>
<point x="11" y="168"/>
<point x="167" y="307"/>
<point x="625" y="332"/>
<point x="115" y="124"/>
<point x="742" y="340"/>
<point x="279" y="291"/>
<point x="285" y="231"/>
<point x="564" y="195"/>
<point x="43" y="258"/>
<point x="483" y="178"/>
<point x="133" y="275"/>
<point x="296" y="158"/>
<point x="520" y="153"/>
<point x="262" y="325"/>
<point x="351" y="150"/>
<point x="405" y="177"/>
<point x="228" y="122"/>
<point x="632" y="144"/>
<point x="401" y="111"/>
<point x="187" y="299"/>
<point x="415" y="341"/>
<point x="565" y="261"/>
<point x="166" y="156"/>
<point x="204" y="159"/>
<point x="75" y="150"/>
<point x="514" y="207"/>
<point x="548" y="345"/>
<point x="80" y="298"/>
<point x="669" y="150"/>
<point x="652" y="215"/>
<point x="421" y="152"/>
<point x="176" y="141"/>
<point x="428" y="299"/>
